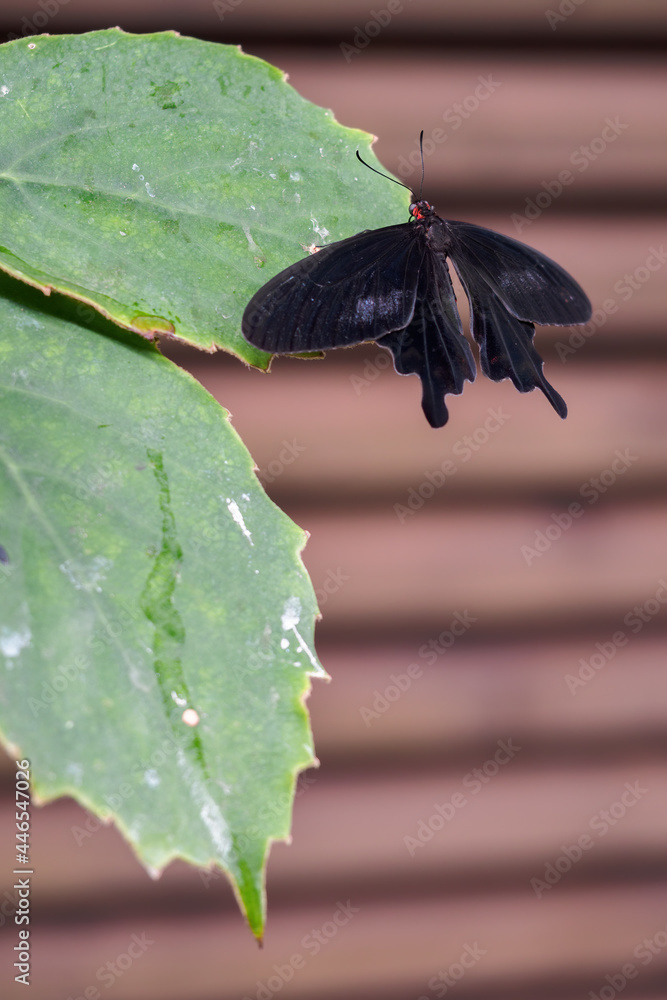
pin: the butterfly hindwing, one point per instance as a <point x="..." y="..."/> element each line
<point x="348" y="292"/>
<point x="533" y="287"/>
<point x="506" y="343"/>
<point x="432" y="345"/>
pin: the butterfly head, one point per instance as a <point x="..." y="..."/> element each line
<point x="421" y="210"/>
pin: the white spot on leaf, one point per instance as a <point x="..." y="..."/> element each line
<point x="209" y="813"/>
<point x="190" y="717"/>
<point x="86" y="574"/>
<point x="75" y="772"/>
<point x="251" y="243"/>
<point x="235" y="511"/>
<point x="290" y="618"/>
<point x="11" y="643"/>
<point x="320" y="230"/>
<point x="291" y="615"/>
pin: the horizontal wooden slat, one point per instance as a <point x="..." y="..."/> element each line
<point x="438" y="562"/>
<point x="513" y="817"/>
<point x="420" y="18"/>
<point x="515" y="821"/>
<point x="378" y="952"/>
<point x="521" y="129"/>
<point x="327" y="429"/>
<point x="540" y="692"/>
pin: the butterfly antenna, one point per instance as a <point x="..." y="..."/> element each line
<point x="386" y="176"/>
<point x="421" y="153"/>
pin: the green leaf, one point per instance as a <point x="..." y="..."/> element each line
<point x="165" y="179"/>
<point x="144" y="573"/>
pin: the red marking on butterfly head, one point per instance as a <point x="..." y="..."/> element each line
<point x="421" y="210"/>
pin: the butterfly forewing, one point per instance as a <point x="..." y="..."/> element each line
<point x="348" y="292"/>
<point x="533" y="287"/>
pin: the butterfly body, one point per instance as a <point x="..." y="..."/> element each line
<point x="392" y="286"/>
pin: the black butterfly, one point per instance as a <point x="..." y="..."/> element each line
<point x="392" y="286"/>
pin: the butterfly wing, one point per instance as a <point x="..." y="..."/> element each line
<point x="432" y="345"/>
<point x="506" y="343"/>
<point x="531" y="286"/>
<point x="510" y="287"/>
<point x="358" y="289"/>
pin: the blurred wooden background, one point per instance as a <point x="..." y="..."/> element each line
<point x="402" y="729"/>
